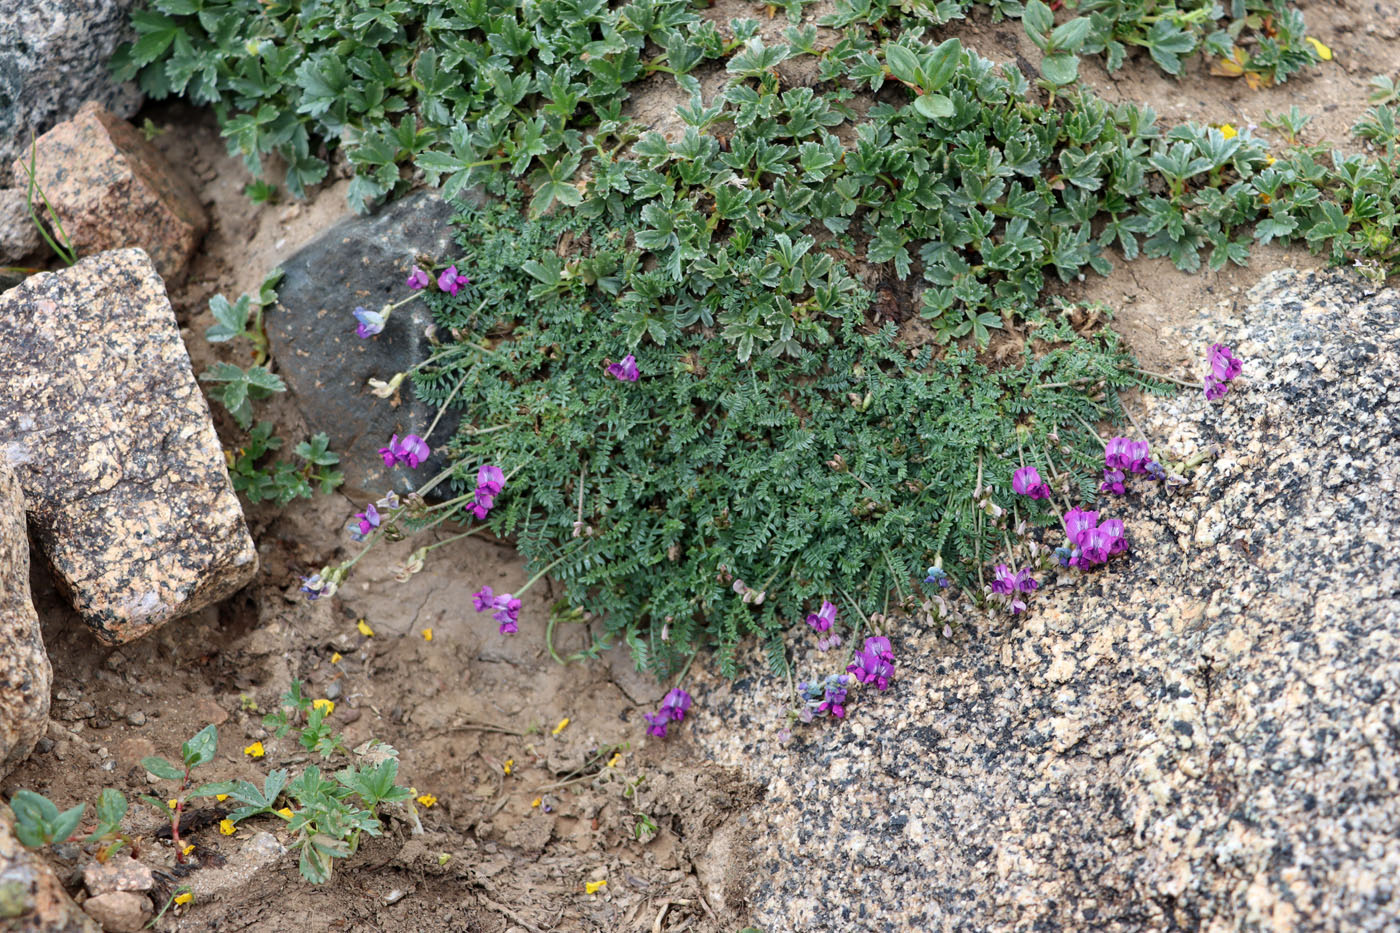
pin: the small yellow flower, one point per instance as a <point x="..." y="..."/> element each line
<point x="510" y="763"/>
<point x="173" y="803"/>
<point x="327" y="705"/>
<point x="593" y="886"/>
<point x="426" y="800"/>
<point x="184" y="898"/>
<point x="1323" y="52"/>
<point x="536" y="802"/>
<point x="221" y="797"/>
<point x="364" y="628"/>
<point x="285" y="813"/>
<point x="1270" y="159"/>
<point x="427" y="634"/>
<point x="335" y="658"/>
<point x="255" y="750"/>
<point x="187" y="849"/>
<point x="563" y="724"/>
<point x="227" y="828"/>
<point x="1228" y="131"/>
<point x="612" y="762"/>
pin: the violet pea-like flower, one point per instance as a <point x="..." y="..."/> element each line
<point x="451" y="281"/>
<point x="870" y="667"/>
<point x="1004" y="582"/>
<point x="313" y="586"/>
<point x="368" y="519"/>
<point x="370" y="323"/>
<point x="1027" y="482"/>
<point x="834" y="700"/>
<point x="657" y="723"/>
<point x="676" y="703"/>
<point x="417" y="279"/>
<point x="413" y="450"/>
<point x="822" y="619"/>
<point x="626" y="371"/>
<point x="1115" y="532"/>
<point x="1095" y="545"/>
<point x="484" y="599"/>
<point x="1079" y="522"/>
<point x="492" y="477"/>
<point x="939" y="576"/>
<point x="1113" y="482"/>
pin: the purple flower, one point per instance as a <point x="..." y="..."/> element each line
<point x="371" y="323"/>
<point x="1078" y="522"/>
<point x="1224" y="365"/>
<point x="313" y="586"/>
<point x="414" y="450"/>
<point x="874" y="663"/>
<point x="1123" y="454"/>
<point x="1155" y="470"/>
<point x="484" y="599"/>
<point x="1215" y="390"/>
<point x="1027" y="482"/>
<point x="417" y="279"/>
<point x="390" y="453"/>
<point x="938" y="575"/>
<point x="834" y="699"/>
<point x="626" y="371"/>
<point x="1066" y="556"/>
<point x="1095" y="544"/>
<point x="450" y="281"/>
<point x="675" y="704"/>
<point x="368" y="519"/>
<point x="821" y="620"/>
<point x="1004" y="582"/>
<point x="492" y="477"/>
<point x="1113" y="529"/>
<point x="508" y="625"/>
<point x="1113" y="482"/>
<point x="658" y="723"/>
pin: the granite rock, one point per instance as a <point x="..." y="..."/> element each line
<point x="102" y="420"/>
<point x="32" y="899"/>
<point x="119" y="911"/>
<point x="18" y="238"/>
<point x="1204" y="735"/>
<point x="25" y="674"/>
<point x="120" y="873"/>
<point x="53" y="57"/>
<point x="363" y="261"/>
<point x="112" y="189"/>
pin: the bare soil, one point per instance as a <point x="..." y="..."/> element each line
<point x="527" y="813"/>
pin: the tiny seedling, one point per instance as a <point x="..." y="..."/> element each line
<point x="38" y="821"/>
<point x="195" y="753"/>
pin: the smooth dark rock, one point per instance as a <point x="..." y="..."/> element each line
<point x="53" y="59"/>
<point x="363" y="261"/>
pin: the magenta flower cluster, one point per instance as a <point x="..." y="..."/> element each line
<point x="1027" y="482"/>
<point x="412" y="450"/>
<point x="417" y="279"/>
<point x="1007" y="583"/>
<point x="821" y="622"/>
<point x="673" y="709"/>
<point x="1122" y="456"/>
<point x="490" y="480"/>
<point x="1224" y="367"/>
<point x="1091" y="541"/>
<point x="826" y="697"/>
<point x="874" y="664"/>
<point x="505" y="608"/>
<point x="626" y="371"/>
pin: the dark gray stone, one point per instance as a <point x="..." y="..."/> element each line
<point x="53" y="59"/>
<point x="363" y="261"/>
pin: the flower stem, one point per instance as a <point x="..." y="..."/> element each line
<point x="1090" y="428"/>
<point x="456" y="537"/>
<point x="1163" y="377"/>
<point x="447" y="401"/>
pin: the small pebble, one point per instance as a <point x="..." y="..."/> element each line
<point x="136" y="718"/>
<point x="394" y="896"/>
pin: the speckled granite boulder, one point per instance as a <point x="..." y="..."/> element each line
<point x="18" y="238"/>
<point x="25" y="673"/>
<point x="362" y="261"/>
<point x="112" y="189"/>
<point x="53" y="57"/>
<point x="1203" y="736"/>
<point x="102" y="420"/>
<point x="32" y="899"/>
